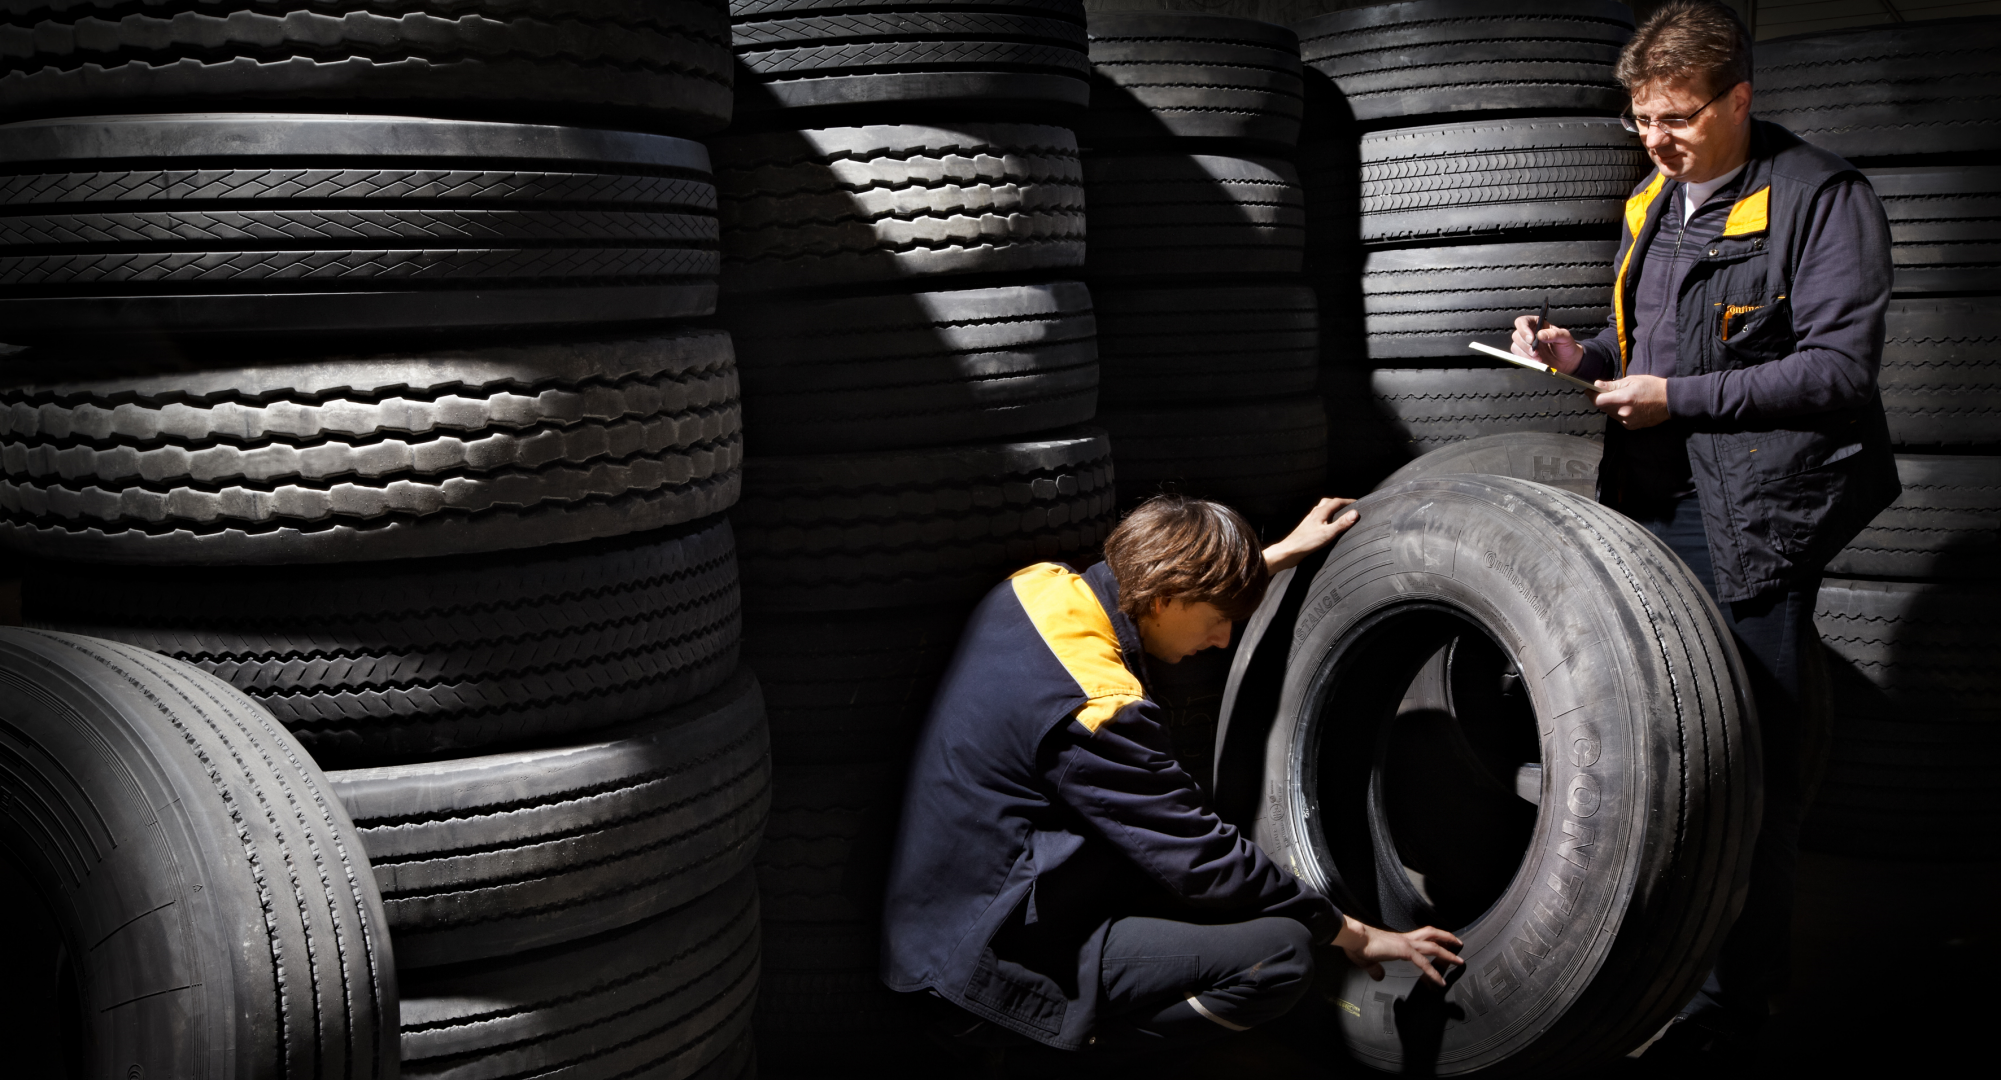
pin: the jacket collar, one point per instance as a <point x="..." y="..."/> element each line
<point x="1106" y="587"/>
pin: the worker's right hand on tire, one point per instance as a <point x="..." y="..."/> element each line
<point x="1562" y="350"/>
<point x="1369" y="948"/>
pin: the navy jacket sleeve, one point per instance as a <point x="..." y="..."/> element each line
<point x="1840" y="293"/>
<point x="1142" y="802"/>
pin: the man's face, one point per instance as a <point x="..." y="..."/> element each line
<point x="1712" y="144"/>
<point x="1177" y="630"/>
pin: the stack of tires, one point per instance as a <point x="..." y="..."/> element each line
<point x="1207" y="331"/>
<point x="903" y="242"/>
<point x="1905" y="611"/>
<point x="396" y="425"/>
<point x="1475" y="148"/>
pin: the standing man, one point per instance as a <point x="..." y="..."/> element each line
<point x="1746" y="432"/>
<point x="1058" y="876"/>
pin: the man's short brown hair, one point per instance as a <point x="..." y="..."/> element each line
<point x="1698" y="40"/>
<point x="1173" y="547"/>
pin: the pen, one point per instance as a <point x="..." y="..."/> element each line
<point x="1535" y="338"/>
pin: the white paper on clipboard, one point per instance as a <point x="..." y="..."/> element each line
<point x="1532" y="365"/>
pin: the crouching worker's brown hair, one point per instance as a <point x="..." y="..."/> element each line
<point x="1192" y="550"/>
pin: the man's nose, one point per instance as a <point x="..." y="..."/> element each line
<point x="1221" y="638"/>
<point x="1654" y="135"/>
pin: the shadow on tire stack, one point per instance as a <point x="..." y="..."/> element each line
<point x="1906" y="609"/>
<point x="1462" y="162"/>
<point x="361" y="380"/>
<point x="903" y="246"/>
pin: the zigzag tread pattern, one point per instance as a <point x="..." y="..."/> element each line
<point x="293" y="185"/>
<point x="412" y="265"/>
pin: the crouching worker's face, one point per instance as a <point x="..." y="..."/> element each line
<point x="1177" y="630"/>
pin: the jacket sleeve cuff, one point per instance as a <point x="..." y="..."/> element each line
<point x="1597" y="362"/>
<point x="1692" y="396"/>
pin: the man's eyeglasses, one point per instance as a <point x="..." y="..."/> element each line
<point x="1637" y="124"/>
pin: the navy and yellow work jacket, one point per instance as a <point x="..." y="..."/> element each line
<point x="1043" y="803"/>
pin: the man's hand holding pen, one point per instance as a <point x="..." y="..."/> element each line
<point x="1636" y="401"/>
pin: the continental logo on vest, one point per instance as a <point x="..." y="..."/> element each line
<point x="1074" y="625"/>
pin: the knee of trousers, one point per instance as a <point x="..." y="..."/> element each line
<point x="1270" y="987"/>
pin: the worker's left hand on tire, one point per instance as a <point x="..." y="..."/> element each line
<point x="1316" y="530"/>
<point x="1370" y="947"/>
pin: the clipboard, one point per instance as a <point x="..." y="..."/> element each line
<point x="1532" y="365"/>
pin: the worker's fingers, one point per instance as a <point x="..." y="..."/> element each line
<point x="1425" y="969"/>
<point x="1346" y="521"/>
<point x="1432" y="948"/>
<point x="1433" y="933"/>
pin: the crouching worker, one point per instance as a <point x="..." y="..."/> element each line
<point x="1057" y="874"/>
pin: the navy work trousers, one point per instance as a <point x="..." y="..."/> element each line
<point x="1171" y="984"/>
<point x="1773" y="632"/>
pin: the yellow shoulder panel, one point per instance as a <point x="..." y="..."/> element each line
<point x="1636" y="219"/>
<point x="1638" y="205"/>
<point x="1752" y="214"/>
<point x="1074" y="625"/>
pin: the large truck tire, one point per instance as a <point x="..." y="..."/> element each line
<point x="1266" y="457"/>
<point x="1880" y="93"/>
<point x="1945" y="227"/>
<point x="202" y="904"/>
<point x="1202" y="343"/>
<point x="1206" y="215"/>
<point x="1529" y="178"/>
<point x="382" y="456"/>
<point x="1429" y="303"/>
<point x="1941" y="375"/>
<point x="1183" y="76"/>
<point x="1397" y="62"/>
<point x="667" y="998"/>
<point x="1946" y="526"/>
<point x="1432" y="407"/>
<point x="1569" y="462"/>
<point x="302" y="223"/>
<point x="1507" y="711"/>
<point x="488" y="856"/>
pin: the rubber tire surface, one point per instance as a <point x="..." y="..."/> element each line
<point x="1158" y="76"/>
<point x="1207" y="342"/>
<point x="1945" y="526"/>
<point x="795" y="54"/>
<point x="1429" y="302"/>
<point x="380" y="662"/>
<point x="1433" y="407"/>
<point x="1497" y="177"/>
<point x="199" y="865"/>
<point x="296" y="223"/>
<point x="1266" y="457"/>
<point x="1660" y="783"/>
<point x="1941" y="374"/>
<point x="1885" y="92"/>
<point x="901" y="527"/>
<point x="914" y="369"/>
<point x="488" y="856"/>
<point x="1194" y="214"/>
<point x="394" y="455"/>
<point x="671" y="995"/>
<point x="663" y="66"/>
<point x="848" y="687"/>
<point x="1561" y="461"/>
<point x="1916" y="731"/>
<point x="1393" y="62"/>
<point x="838" y="206"/>
<point x="1945" y="227"/>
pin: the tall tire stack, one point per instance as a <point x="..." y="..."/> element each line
<point x="903" y="251"/>
<point x="1466" y="163"/>
<point x="1917" y="727"/>
<point x="398" y="427"/>
<point x="1207" y="332"/>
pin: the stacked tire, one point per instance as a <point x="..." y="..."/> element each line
<point x="903" y="248"/>
<point x="1916" y="729"/>
<point x="1475" y="149"/>
<point x="397" y="425"/>
<point x="1207" y="332"/>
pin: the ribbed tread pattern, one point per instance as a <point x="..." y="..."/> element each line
<point x="376" y="662"/>
<point x="917" y="526"/>
<point x="1203" y="343"/>
<point x="1192" y="76"/>
<point x="97" y="469"/>
<point x="1945" y="526"/>
<point x="667" y="62"/>
<point x="1941" y="374"/>
<point x="1945" y="227"/>
<point x="1433" y="407"/>
<point x="1497" y="177"/>
<point x="843" y="687"/>
<point x="669" y="996"/>
<point x="1430" y="302"/>
<point x="1928" y="87"/>
<point x="1436" y="57"/>
<point x="911" y="369"/>
<point x="1267" y="457"/>
<point x="1194" y="214"/>
<point x="487" y="856"/>
<point x="840" y="205"/>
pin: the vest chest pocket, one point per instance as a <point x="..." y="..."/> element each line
<point x="1753" y="330"/>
